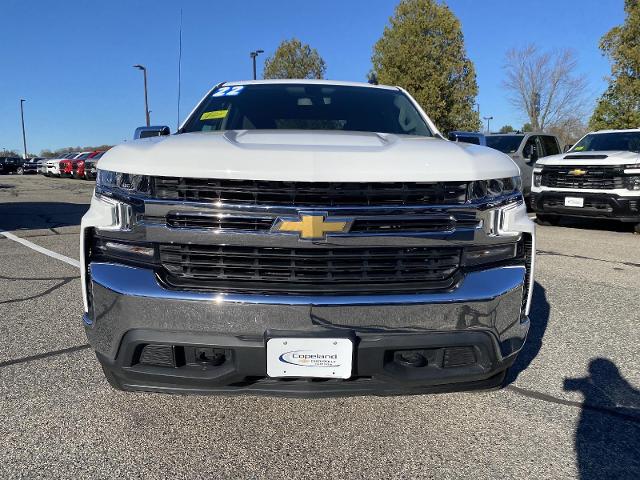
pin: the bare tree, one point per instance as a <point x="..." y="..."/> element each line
<point x="544" y="85"/>
<point x="569" y="131"/>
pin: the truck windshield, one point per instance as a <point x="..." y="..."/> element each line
<point x="307" y="107"/>
<point x="626" y="141"/>
<point x="504" y="143"/>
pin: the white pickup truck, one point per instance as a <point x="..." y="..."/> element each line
<point x="598" y="178"/>
<point x="307" y="238"/>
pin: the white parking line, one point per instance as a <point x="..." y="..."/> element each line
<point x="38" y="248"/>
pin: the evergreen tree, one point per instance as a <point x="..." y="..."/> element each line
<point x="619" y="106"/>
<point x="422" y="50"/>
<point x="293" y="59"/>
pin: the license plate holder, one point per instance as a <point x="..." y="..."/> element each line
<point x="314" y="357"/>
<point x="574" y="202"/>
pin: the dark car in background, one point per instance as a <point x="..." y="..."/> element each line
<point x="30" y="165"/>
<point x="9" y="165"/>
<point x="89" y="167"/>
<point x="475" y="138"/>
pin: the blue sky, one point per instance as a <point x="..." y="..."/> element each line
<point x="72" y="59"/>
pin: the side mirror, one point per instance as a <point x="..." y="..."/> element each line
<point x="566" y="148"/>
<point x="530" y="152"/>
<point x="154" y="131"/>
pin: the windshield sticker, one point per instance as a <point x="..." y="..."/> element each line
<point x="214" y="115"/>
<point x="577" y="149"/>
<point x="228" y="91"/>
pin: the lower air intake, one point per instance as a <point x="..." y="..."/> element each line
<point x="458" y="357"/>
<point x="158" y="356"/>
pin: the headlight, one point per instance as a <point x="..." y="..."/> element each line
<point x="127" y="182"/>
<point x="486" y="189"/>
<point x="537" y="179"/>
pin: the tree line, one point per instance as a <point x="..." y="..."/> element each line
<point x="422" y="49"/>
<point x="46" y="153"/>
<point x="63" y="151"/>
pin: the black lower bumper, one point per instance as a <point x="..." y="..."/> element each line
<point x="596" y="205"/>
<point x="188" y="363"/>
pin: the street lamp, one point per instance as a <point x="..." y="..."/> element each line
<point x="146" y="102"/>
<point x="24" y="136"/>
<point x="488" y="119"/>
<point x="253" y="56"/>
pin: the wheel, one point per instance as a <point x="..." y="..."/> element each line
<point x="544" y="219"/>
<point x="636" y="229"/>
<point x="20" y="171"/>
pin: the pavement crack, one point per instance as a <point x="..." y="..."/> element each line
<point x="582" y="257"/>
<point x="40" y="356"/>
<point x="46" y="292"/>
<point x="48" y="234"/>
<point x="71" y="277"/>
<point x="545" y="397"/>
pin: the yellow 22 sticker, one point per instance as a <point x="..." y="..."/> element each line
<point x="216" y="114"/>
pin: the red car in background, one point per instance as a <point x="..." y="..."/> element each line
<point x="67" y="165"/>
<point x="85" y="167"/>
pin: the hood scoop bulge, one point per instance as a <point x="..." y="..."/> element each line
<point x="585" y="157"/>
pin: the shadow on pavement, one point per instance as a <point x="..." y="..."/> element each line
<point x="607" y="439"/>
<point x="539" y="318"/>
<point x="40" y="215"/>
<point x="596" y="224"/>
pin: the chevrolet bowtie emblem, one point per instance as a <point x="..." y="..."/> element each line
<point x="577" y="172"/>
<point x="311" y="227"/>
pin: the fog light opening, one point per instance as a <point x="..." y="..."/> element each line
<point x="209" y="356"/>
<point x="411" y="358"/>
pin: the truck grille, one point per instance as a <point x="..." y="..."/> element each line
<point x="306" y="194"/>
<point x="388" y="224"/>
<point x="308" y="270"/>
<point x="596" y="177"/>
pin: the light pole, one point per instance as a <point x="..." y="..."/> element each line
<point x="24" y="136"/>
<point x="146" y="102"/>
<point x="488" y="119"/>
<point x="253" y="56"/>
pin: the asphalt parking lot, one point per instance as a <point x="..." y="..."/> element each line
<point x="571" y="408"/>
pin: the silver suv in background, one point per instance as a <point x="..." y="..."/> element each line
<point x="525" y="149"/>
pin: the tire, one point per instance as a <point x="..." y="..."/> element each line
<point x="636" y="229"/>
<point x="547" y="220"/>
<point x="20" y="171"/>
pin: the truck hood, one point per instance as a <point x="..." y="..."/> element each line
<point x="318" y="156"/>
<point x="619" y="157"/>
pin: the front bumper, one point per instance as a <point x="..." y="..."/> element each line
<point x="596" y="205"/>
<point x="129" y="310"/>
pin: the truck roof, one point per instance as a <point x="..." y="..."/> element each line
<point x="613" y="130"/>
<point x="310" y="82"/>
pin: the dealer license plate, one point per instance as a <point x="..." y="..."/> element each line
<point x="309" y="357"/>
<point x="573" y="202"/>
